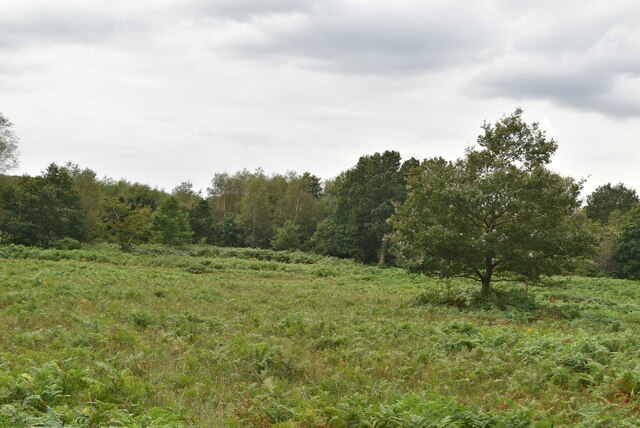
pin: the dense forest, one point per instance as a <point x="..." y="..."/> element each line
<point x="368" y="212"/>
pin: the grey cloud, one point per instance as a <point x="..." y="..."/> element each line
<point x="572" y="53"/>
<point x="244" y="9"/>
<point x="576" y="57"/>
<point x="586" y="92"/>
<point x="355" y="37"/>
<point x="63" y="26"/>
<point x="593" y="86"/>
<point x="417" y="38"/>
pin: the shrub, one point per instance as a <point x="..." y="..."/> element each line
<point x="66" y="244"/>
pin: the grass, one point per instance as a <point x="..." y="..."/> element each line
<point x="233" y="337"/>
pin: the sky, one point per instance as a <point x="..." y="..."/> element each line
<point x="164" y="91"/>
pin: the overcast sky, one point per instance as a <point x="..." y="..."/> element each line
<point x="164" y="91"/>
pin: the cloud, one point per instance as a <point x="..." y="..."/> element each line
<point x="335" y="113"/>
<point x="309" y="84"/>
<point x="38" y="23"/>
<point x="590" y="65"/>
<point x="368" y="38"/>
<point x="244" y="9"/>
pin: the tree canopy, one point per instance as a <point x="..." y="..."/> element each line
<point x="360" y="202"/>
<point x="171" y="223"/>
<point x="41" y="210"/>
<point x="608" y="199"/>
<point x="627" y="246"/>
<point x="498" y="213"/>
<point x="8" y="145"/>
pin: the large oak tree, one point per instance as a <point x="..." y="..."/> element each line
<point x="497" y="214"/>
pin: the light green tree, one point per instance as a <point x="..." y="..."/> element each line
<point x="125" y="225"/>
<point x="8" y="145"/>
<point x="256" y="211"/>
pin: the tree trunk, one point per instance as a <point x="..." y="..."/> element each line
<point x="383" y="252"/>
<point x="486" y="279"/>
<point x="486" y="285"/>
<point x="297" y="210"/>
<point x="253" y="225"/>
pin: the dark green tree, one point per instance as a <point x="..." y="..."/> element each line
<point x="360" y="201"/>
<point x="609" y="199"/>
<point x="287" y="238"/>
<point x="134" y="194"/>
<point x="313" y="184"/>
<point x="627" y="246"/>
<point x="172" y="224"/>
<point x="41" y="210"/>
<point x="201" y="222"/>
<point x="226" y="233"/>
<point x="496" y="214"/>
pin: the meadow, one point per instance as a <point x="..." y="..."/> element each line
<point x="238" y="337"/>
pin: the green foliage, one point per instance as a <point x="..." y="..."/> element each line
<point x="136" y="195"/>
<point x="608" y="199"/>
<point x="201" y="222"/>
<point x="66" y="244"/>
<point x="288" y="237"/>
<point x="226" y="192"/>
<point x="91" y="197"/>
<point x="336" y="238"/>
<point x="153" y="337"/>
<point x="498" y="212"/>
<point x="256" y="211"/>
<point x="171" y="224"/>
<point x="226" y="233"/>
<point x="44" y="209"/>
<point x="627" y="248"/>
<point x="360" y="202"/>
<point x="187" y="197"/>
<point x="8" y="145"/>
<point x="124" y="225"/>
<point x="603" y="262"/>
<point x="300" y="204"/>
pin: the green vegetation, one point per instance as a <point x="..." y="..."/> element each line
<point x="42" y="210"/>
<point x="8" y="145"/>
<point x="627" y="252"/>
<point x="170" y="334"/>
<point x="608" y="199"/>
<point x="171" y="224"/>
<point x="499" y="213"/>
<point x="360" y="201"/>
<point x="211" y="336"/>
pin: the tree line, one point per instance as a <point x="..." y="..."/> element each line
<point x="496" y="213"/>
<point x="67" y="205"/>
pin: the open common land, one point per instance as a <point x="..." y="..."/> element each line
<point x="240" y="337"/>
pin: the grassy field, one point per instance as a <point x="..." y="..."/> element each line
<point x="212" y="337"/>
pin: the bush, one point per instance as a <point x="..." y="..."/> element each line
<point x="288" y="237"/>
<point x="66" y="244"/>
